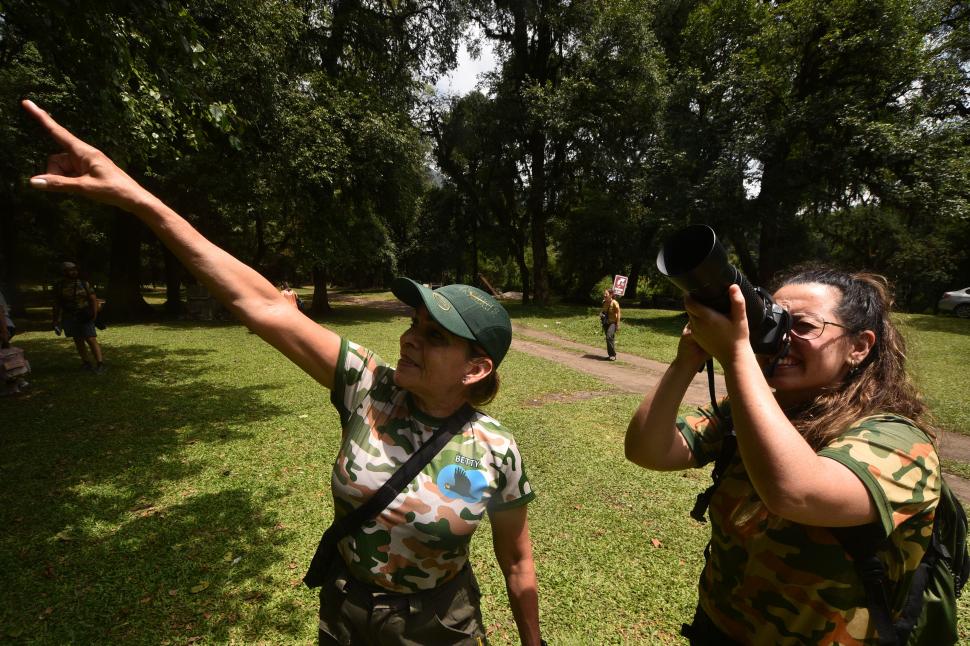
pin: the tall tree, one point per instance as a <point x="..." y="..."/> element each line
<point x="785" y="113"/>
<point x="576" y="79"/>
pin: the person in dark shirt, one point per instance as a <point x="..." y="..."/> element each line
<point x="75" y="310"/>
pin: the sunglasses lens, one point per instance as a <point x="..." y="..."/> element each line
<point x="807" y="327"/>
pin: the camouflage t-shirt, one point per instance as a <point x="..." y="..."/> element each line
<point x="772" y="581"/>
<point x="422" y="538"/>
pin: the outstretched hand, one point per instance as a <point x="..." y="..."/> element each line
<point x="82" y="169"/>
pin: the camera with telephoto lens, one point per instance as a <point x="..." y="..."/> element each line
<point x="694" y="260"/>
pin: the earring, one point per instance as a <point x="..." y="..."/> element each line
<point x="853" y="369"/>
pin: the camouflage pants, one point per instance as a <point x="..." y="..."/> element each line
<point x="352" y="612"/>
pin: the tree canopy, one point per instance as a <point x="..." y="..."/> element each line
<point x="306" y="138"/>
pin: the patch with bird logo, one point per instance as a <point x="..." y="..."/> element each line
<point x="457" y="482"/>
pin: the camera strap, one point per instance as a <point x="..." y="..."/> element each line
<point x="782" y="353"/>
<point x="710" y="386"/>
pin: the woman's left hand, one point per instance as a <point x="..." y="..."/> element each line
<point x="82" y="169"/>
<point x="721" y="337"/>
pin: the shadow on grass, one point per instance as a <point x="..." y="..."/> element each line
<point x="341" y="314"/>
<point x="671" y="324"/>
<point x="101" y="542"/>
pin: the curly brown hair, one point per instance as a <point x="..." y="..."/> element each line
<point x="880" y="383"/>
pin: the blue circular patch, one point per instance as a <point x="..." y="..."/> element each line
<point x="457" y="482"/>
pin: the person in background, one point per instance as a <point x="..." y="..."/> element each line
<point x="403" y="577"/>
<point x="7" y="327"/>
<point x="75" y="311"/>
<point x="836" y="437"/>
<point x="14" y="364"/>
<point x="610" y="319"/>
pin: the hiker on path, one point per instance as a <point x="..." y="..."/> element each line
<point x="610" y="319"/>
<point x="844" y="440"/>
<point x="403" y="577"/>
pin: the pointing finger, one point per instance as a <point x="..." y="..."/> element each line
<point x="60" y="134"/>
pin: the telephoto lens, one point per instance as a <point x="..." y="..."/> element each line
<point x="694" y="260"/>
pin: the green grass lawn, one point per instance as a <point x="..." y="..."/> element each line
<point x="178" y="497"/>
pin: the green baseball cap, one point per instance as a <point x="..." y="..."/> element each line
<point x="464" y="311"/>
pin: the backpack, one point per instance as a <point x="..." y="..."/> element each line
<point x="929" y="613"/>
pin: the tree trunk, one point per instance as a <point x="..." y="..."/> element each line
<point x="173" y="284"/>
<point x="537" y="213"/>
<point x="260" y="253"/>
<point x="320" y="305"/>
<point x="124" y="299"/>
<point x="631" y="283"/>
<point x="474" y="245"/>
<point x="524" y="274"/>
<point x="10" y="249"/>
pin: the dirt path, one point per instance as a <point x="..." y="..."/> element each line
<point x="634" y="374"/>
<point x="629" y="373"/>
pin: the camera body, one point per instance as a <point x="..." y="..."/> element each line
<point x="694" y="260"/>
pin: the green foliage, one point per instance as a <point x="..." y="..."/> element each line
<point x="603" y="284"/>
<point x="298" y="135"/>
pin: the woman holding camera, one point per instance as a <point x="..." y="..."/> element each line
<point x="402" y="576"/>
<point x="836" y="436"/>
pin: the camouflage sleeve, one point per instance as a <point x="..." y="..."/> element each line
<point x="357" y="371"/>
<point x="512" y="488"/>
<point x="897" y="463"/>
<point x="702" y="430"/>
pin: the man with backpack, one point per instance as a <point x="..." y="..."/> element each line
<point x="75" y="311"/>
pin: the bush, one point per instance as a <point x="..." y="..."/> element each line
<point x="596" y="294"/>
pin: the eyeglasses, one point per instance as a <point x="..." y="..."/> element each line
<point x="810" y="326"/>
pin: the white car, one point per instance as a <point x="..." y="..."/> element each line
<point x="957" y="301"/>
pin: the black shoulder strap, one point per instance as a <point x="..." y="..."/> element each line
<point x="729" y="446"/>
<point x="861" y="543"/>
<point x="385" y="495"/>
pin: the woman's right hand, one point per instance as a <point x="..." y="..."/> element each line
<point x="83" y="169"/>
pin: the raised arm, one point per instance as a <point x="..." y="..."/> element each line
<point x="652" y="439"/>
<point x="85" y="171"/>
